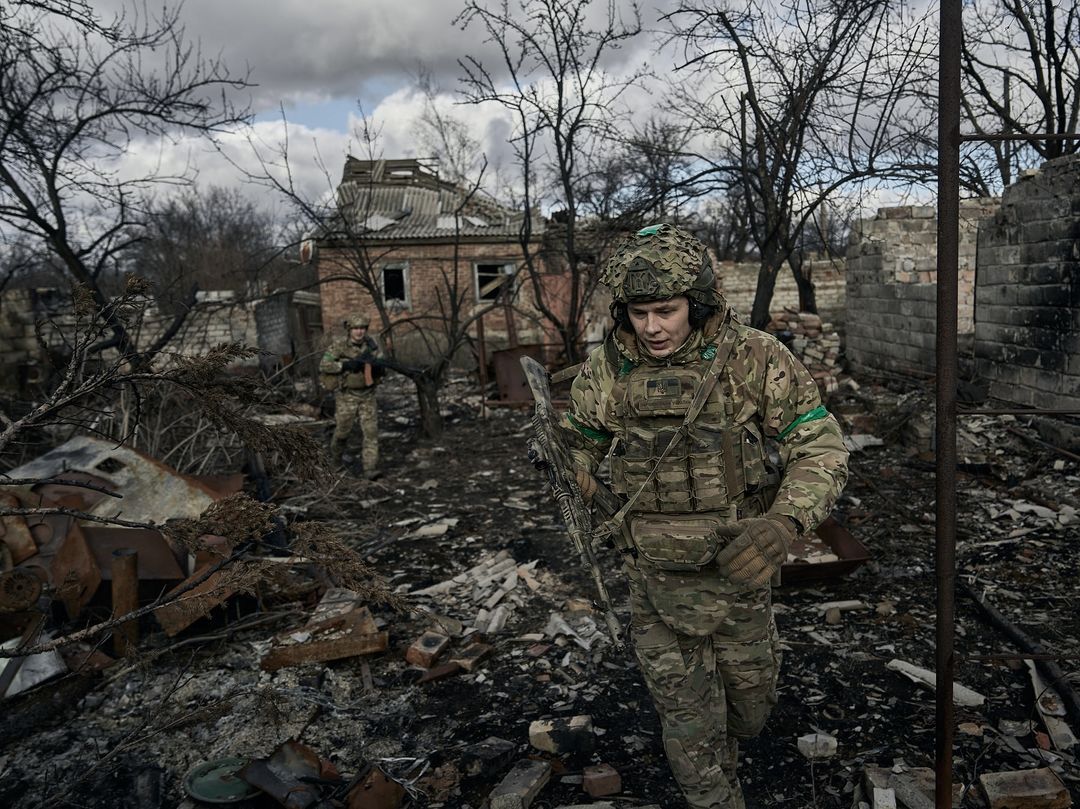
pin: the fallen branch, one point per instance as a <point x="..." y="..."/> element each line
<point x="1058" y="679"/>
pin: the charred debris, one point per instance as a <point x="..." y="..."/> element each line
<point x="480" y="674"/>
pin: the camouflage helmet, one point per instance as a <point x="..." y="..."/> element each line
<point x="660" y="262"/>
<point x="357" y="320"/>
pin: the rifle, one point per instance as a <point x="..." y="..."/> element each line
<point x="357" y="363"/>
<point x="555" y="459"/>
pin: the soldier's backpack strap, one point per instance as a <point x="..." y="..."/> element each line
<point x="705" y="387"/>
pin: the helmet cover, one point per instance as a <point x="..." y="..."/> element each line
<point x="659" y="262"/>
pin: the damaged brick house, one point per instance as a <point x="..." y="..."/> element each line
<point x="404" y="226"/>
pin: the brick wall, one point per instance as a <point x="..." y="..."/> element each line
<point x="738" y="282"/>
<point x="23" y="361"/>
<point x="427" y="265"/>
<point x="891" y="285"/>
<point x="1027" y="294"/>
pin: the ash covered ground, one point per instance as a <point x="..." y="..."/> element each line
<point x="443" y="507"/>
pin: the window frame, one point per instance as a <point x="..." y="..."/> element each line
<point x="396" y="303"/>
<point x="507" y="266"/>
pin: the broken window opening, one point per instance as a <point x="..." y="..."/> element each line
<point x="490" y="280"/>
<point x="395" y="286"/>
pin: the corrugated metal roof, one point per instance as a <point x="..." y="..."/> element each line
<point x="404" y="200"/>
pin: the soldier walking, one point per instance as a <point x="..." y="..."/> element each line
<point x="349" y="368"/>
<point x="684" y="398"/>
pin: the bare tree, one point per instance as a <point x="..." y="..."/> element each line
<point x="75" y="96"/>
<point x="1020" y="66"/>
<point x="802" y="101"/>
<point x="343" y="221"/>
<point x="551" y="78"/>
<point x="215" y="238"/>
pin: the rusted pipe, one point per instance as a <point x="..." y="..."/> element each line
<point x="125" y="599"/>
<point x="948" y="261"/>
<point x="1056" y="677"/>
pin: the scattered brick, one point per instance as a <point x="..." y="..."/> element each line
<point x="426" y="649"/>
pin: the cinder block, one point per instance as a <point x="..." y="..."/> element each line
<point x="521" y="785"/>
<point x="601" y="780"/>
<point x="562" y="736"/>
<point x="1025" y="789"/>
<point x="426" y="649"/>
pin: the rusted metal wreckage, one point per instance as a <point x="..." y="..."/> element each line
<point x="69" y="553"/>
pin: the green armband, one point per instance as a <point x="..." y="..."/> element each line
<point x="596" y="435"/>
<point x="818" y="412"/>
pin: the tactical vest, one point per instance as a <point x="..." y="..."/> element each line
<point x="719" y="464"/>
<point x="354" y="380"/>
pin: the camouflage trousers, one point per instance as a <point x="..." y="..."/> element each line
<point x="709" y="653"/>
<point x="350" y="407"/>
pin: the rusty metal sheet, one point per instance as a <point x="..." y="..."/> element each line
<point x="15" y="533"/>
<point x="151" y="491"/>
<point x="830" y="535"/>
<point x="157" y="562"/>
<point x="194" y="604"/>
<point x="74" y="572"/>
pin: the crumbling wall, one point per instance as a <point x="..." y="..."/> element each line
<point x="891" y="281"/>
<point x="1027" y="310"/>
<point x="738" y="282"/>
<point x="216" y="319"/>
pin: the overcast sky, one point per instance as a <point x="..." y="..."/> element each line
<point x="320" y="59"/>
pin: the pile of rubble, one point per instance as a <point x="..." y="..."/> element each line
<point x="814" y="342"/>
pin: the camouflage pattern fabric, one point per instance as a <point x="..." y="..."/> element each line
<point x="343" y="350"/>
<point x="763" y="392"/>
<point x="707" y="646"/>
<point x="352" y="407"/>
<point x="659" y="262"/>
<point x="354" y="399"/>
<point x="709" y="654"/>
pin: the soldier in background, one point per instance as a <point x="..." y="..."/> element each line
<point x="683" y="398"/>
<point x="350" y="368"/>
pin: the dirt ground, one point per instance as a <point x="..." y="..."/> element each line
<point x="128" y="738"/>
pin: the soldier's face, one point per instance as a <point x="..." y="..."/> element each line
<point x="661" y="326"/>
<point x="357" y="333"/>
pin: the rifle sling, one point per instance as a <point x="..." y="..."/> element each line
<point x="705" y="387"/>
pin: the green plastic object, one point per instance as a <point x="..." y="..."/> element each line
<point x="217" y="781"/>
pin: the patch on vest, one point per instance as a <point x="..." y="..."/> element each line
<point x="667" y="388"/>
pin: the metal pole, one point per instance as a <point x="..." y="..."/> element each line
<point x="482" y="362"/>
<point x="125" y="598"/>
<point x="951" y="22"/>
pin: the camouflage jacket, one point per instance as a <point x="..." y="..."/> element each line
<point x="762" y="392"/>
<point x="343" y="350"/>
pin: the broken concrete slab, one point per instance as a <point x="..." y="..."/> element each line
<point x="521" y="785"/>
<point x="340" y="627"/>
<point x="563" y="736"/>
<point x="1025" y="789"/>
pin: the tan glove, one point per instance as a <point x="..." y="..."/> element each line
<point x="759" y="548"/>
<point x="587" y="483"/>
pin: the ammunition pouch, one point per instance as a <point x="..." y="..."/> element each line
<point x="330" y="382"/>
<point x="677" y="542"/>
